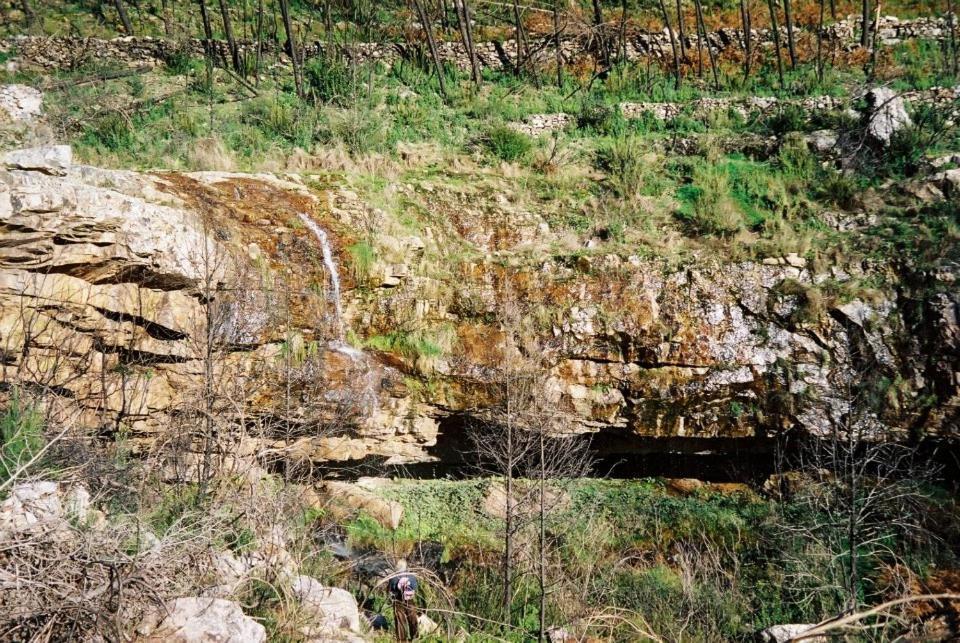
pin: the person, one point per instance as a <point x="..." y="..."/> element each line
<point x="403" y="589"/>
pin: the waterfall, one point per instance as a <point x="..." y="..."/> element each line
<point x="331" y="265"/>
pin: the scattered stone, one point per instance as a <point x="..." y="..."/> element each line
<point x="52" y="159"/>
<point x="886" y="113"/>
<point x="200" y="620"/>
<point x="426" y="625"/>
<point x="787" y="632"/>
<point x="20" y="102"/>
<point x="31" y="504"/>
<point x="795" y="260"/>
<point x="331" y="608"/>
<point x="822" y="141"/>
<point x="949" y="182"/>
<point x="387" y="512"/>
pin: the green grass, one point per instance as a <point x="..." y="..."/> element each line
<point x="21" y="437"/>
<point x="406" y="344"/>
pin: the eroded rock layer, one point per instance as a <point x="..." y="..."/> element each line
<point x="150" y="303"/>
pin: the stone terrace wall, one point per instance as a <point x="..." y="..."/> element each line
<point x="65" y="53"/>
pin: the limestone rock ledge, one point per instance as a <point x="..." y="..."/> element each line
<point x="114" y="284"/>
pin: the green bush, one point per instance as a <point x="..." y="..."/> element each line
<point x="330" y="80"/>
<point x="507" y="144"/>
<point x="622" y="160"/>
<point x="283" y="117"/>
<point x="112" y="132"/>
<point x="21" y="436"/>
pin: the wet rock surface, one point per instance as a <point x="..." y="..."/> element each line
<point x="102" y="274"/>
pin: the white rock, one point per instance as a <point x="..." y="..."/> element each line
<point x="50" y="159"/>
<point x="200" y="620"/>
<point x="887" y="114"/>
<point x="20" y="102"/>
<point x="30" y="504"/>
<point x="77" y="503"/>
<point x="333" y="608"/>
<point x="786" y="632"/>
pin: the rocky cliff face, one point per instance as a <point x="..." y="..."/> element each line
<point x="142" y="301"/>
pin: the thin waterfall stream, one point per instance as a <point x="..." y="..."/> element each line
<point x="331" y="265"/>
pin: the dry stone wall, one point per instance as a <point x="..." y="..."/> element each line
<point x="66" y="52"/>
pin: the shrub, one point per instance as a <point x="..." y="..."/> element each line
<point x="284" y="117"/>
<point x="598" y="117"/>
<point x="708" y="206"/>
<point x="112" y="132"/>
<point x="788" y="118"/>
<point x="330" y="80"/>
<point x="360" y="130"/>
<point x="507" y="144"/>
<point x="622" y="160"/>
<point x="21" y="436"/>
<point x="363" y="255"/>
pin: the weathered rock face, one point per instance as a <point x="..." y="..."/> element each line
<point x="201" y="620"/>
<point x="20" y="102"/>
<point x="114" y="285"/>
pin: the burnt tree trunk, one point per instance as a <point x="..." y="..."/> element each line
<point x="673" y="43"/>
<point x="231" y="40"/>
<point x="682" y="30"/>
<point x="788" y="17"/>
<point x="776" y="39"/>
<point x="124" y="18"/>
<point x="706" y="39"/>
<point x="865" y="23"/>
<point x="747" y="38"/>
<point x="432" y="44"/>
<point x="292" y="42"/>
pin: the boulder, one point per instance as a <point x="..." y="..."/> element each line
<point x="426" y="625"/>
<point x="200" y="620"/>
<point x="787" y="632"/>
<point x="949" y="182"/>
<point x="30" y="504"/>
<point x="49" y="159"/>
<point x="886" y="114"/>
<point x="20" y="102"/>
<point x="332" y="609"/>
<point x="386" y="512"/>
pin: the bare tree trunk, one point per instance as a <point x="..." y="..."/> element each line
<point x="873" y="43"/>
<point x="292" y="40"/>
<point x="207" y="29"/>
<point x="231" y="41"/>
<point x="865" y="23"/>
<point x="466" y="35"/>
<point x="28" y="12"/>
<point x="776" y="39"/>
<point x="703" y="28"/>
<point x="167" y="19"/>
<point x="508" y="517"/>
<point x="820" y="43"/>
<point x="124" y="18"/>
<point x="256" y="64"/>
<point x="788" y="17"/>
<point x="424" y="21"/>
<point x="673" y="43"/>
<point x="953" y="36"/>
<point x="518" y="28"/>
<point x="542" y="566"/>
<point x="683" y="35"/>
<point x="747" y="38"/>
<point x="556" y="35"/>
<point x="623" y="31"/>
